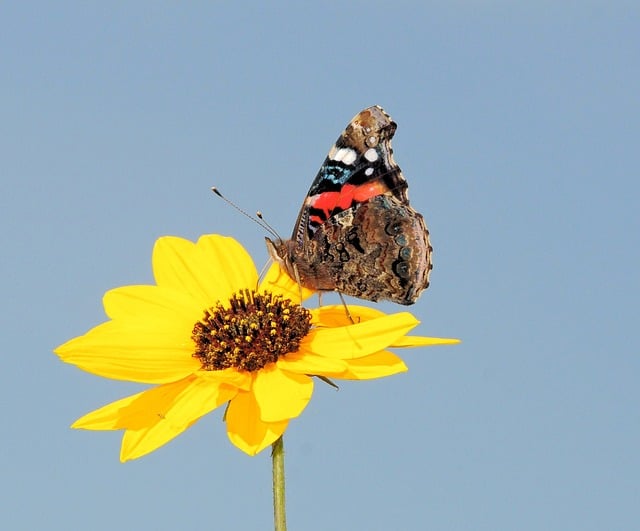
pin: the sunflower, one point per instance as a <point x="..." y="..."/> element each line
<point x="208" y="333"/>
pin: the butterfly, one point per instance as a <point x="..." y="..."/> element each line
<point x="356" y="232"/>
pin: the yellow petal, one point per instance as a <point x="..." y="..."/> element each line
<point x="305" y="363"/>
<point x="419" y="341"/>
<point x="332" y="316"/>
<point x="231" y="260"/>
<point x="151" y="302"/>
<point x="362" y="339"/>
<point x="172" y="258"/>
<point x="281" y="395"/>
<point x="231" y="376"/>
<point x="135" y="412"/>
<point x="278" y="282"/>
<point x="169" y="410"/>
<point x="246" y="430"/>
<point x="149" y="407"/>
<point x="107" y="417"/>
<point x="209" y="270"/>
<point x="336" y="315"/>
<point x="376" y="365"/>
<point x="134" y="352"/>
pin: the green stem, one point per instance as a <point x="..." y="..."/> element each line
<point x="277" y="458"/>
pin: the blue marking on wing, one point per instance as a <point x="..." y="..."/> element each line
<point x="332" y="176"/>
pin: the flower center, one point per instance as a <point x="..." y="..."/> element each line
<point x="256" y="329"/>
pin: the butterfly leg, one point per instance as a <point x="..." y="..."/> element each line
<point x="297" y="275"/>
<point x="263" y="271"/>
<point x="346" y="308"/>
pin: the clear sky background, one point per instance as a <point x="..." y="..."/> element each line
<point x="519" y="134"/>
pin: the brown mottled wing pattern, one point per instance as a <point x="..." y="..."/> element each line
<point x="378" y="250"/>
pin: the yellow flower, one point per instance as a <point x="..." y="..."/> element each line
<point x="207" y="334"/>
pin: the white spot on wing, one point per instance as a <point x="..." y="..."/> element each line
<point x="337" y="154"/>
<point x="368" y="172"/>
<point x="345" y="155"/>
<point x="371" y="155"/>
<point x="349" y="157"/>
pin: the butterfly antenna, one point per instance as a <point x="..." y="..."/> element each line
<point x="267" y="226"/>
<point x="259" y="220"/>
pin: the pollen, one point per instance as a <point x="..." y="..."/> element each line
<point x="253" y="330"/>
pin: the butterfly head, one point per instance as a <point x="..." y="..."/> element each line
<point x="279" y="252"/>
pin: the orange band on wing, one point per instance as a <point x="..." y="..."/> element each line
<point x="330" y="201"/>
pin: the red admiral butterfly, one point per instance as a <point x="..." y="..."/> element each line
<point x="356" y="232"/>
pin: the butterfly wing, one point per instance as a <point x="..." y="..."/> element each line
<point x="359" y="166"/>
<point x="356" y="232"/>
<point x="379" y="250"/>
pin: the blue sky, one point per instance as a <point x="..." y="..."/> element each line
<point x="518" y="129"/>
